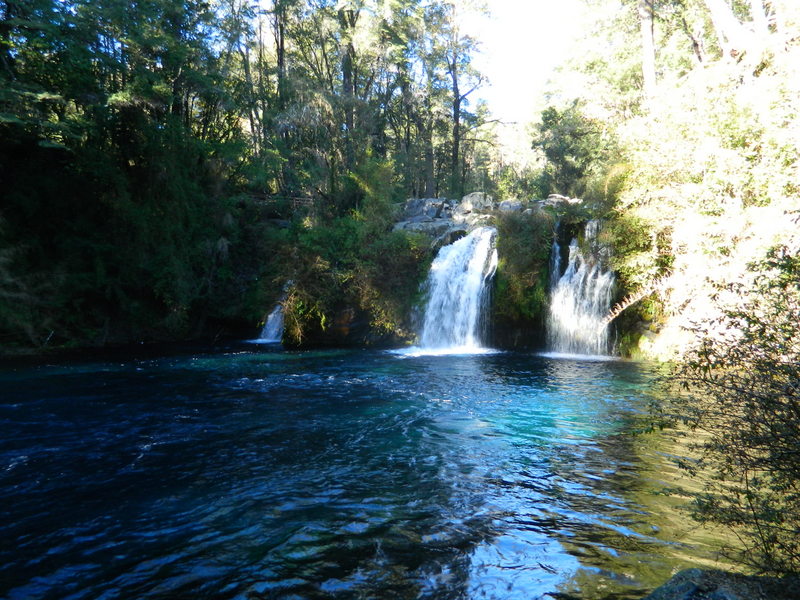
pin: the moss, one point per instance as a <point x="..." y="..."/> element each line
<point x="520" y="291"/>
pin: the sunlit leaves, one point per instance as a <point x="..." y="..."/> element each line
<point x="744" y="385"/>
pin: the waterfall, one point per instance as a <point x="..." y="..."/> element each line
<point x="580" y="297"/>
<point x="457" y="290"/>
<point x="272" y="332"/>
<point x="273" y="328"/>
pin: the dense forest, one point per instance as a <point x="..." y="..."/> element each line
<point x="167" y="166"/>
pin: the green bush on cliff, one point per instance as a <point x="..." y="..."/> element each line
<point x="354" y="263"/>
<point x="523" y="247"/>
<point x="346" y="265"/>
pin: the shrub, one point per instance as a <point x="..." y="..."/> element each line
<point x="523" y="247"/>
<point x="352" y="263"/>
<point x="744" y="384"/>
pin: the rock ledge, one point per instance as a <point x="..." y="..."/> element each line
<point x="697" y="584"/>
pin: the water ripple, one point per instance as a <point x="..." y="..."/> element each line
<point x="265" y="474"/>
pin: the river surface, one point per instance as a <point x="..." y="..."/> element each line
<point x="256" y="473"/>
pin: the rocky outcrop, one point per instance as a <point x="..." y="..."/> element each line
<point x="444" y="221"/>
<point x="433" y="208"/>
<point x="510" y="206"/>
<point x="433" y="228"/>
<point x="476" y="202"/>
<point x="556" y="200"/>
<point x="697" y="584"/>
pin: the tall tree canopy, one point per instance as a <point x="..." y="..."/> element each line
<point x="145" y="146"/>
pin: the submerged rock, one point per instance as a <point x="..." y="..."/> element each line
<point x="697" y="584"/>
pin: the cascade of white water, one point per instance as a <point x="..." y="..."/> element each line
<point x="457" y="289"/>
<point x="580" y="298"/>
<point x="273" y="328"/>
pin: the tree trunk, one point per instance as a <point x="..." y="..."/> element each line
<point x="279" y="25"/>
<point x="348" y="99"/>
<point x="455" y="172"/>
<point x="730" y="32"/>
<point x="6" y="56"/>
<point x="348" y="19"/>
<point x="696" y="40"/>
<point x="430" y="171"/>
<point x="648" y="47"/>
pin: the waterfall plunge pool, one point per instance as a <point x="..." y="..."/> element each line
<point x="259" y="473"/>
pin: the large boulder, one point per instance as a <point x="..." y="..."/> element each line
<point x="472" y="220"/>
<point x="559" y="200"/>
<point x="426" y="207"/>
<point x="510" y="206"/>
<point x="455" y="232"/>
<point x="475" y="202"/>
<point x="433" y="228"/>
<point x="697" y="584"/>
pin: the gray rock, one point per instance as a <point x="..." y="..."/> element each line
<point x="558" y="199"/>
<point x="431" y="227"/>
<point x="510" y="206"/>
<point x="472" y="220"/>
<point x="697" y="584"/>
<point x="455" y="232"/>
<point x="443" y="223"/>
<point x="475" y="202"/>
<point x="429" y="207"/>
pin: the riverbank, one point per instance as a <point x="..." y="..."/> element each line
<point x="697" y="584"/>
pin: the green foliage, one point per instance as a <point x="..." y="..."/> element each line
<point x="744" y="385"/>
<point x="641" y="252"/>
<point x="523" y="248"/>
<point x="346" y="264"/>
<point x="578" y="149"/>
<point x="702" y="177"/>
<point x="154" y="154"/>
<point x="355" y="262"/>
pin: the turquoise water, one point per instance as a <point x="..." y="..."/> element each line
<point x="257" y="473"/>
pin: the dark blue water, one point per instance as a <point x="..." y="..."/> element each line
<point x="262" y="474"/>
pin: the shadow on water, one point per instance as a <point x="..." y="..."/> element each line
<point x="335" y="474"/>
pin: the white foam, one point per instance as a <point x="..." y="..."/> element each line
<point x="415" y="351"/>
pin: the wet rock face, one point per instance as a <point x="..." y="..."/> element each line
<point x="697" y="584"/>
<point x="433" y="228"/>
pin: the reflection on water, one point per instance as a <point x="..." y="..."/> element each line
<point x="332" y="475"/>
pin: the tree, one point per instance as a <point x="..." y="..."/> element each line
<point x="575" y="146"/>
<point x="745" y="393"/>
<point x="731" y="34"/>
<point x="458" y="49"/>
<point x="648" y="47"/>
